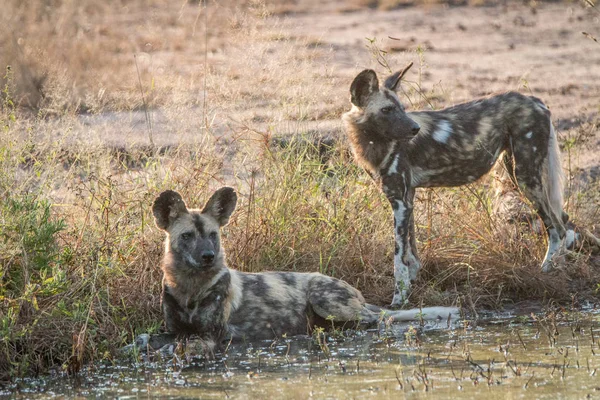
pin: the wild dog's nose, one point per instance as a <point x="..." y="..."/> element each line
<point x="208" y="256"/>
<point x="416" y="128"/>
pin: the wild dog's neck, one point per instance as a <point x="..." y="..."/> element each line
<point x="370" y="148"/>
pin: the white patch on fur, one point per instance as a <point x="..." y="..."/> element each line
<point x="443" y="132"/>
<point x="388" y="154"/>
<point x="394" y="167"/>
<point x="191" y="260"/>
<point x="399" y="213"/>
<point x="486" y="128"/>
<point x="529" y="135"/>
<point x="541" y="106"/>
<point x="534" y="149"/>
<point x="235" y="290"/>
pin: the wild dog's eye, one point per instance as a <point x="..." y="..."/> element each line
<point x="187" y="235"/>
<point x="213" y="236"/>
<point x="387" y="110"/>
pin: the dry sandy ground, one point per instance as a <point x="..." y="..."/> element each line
<point x="472" y="52"/>
<point x="465" y="52"/>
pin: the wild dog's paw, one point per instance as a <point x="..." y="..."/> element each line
<point x="142" y="340"/>
<point x="556" y="261"/>
<point x="402" y="287"/>
<point x="146" y="342"/>
<point x="547" y="266"/>
<point x="140" y="343"/>
<point x="400" y="299"/>
<point x="580" y="238"/>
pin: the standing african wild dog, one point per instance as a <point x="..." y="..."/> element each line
<point x="451" y="147"/>
<point x="202" y="296"/>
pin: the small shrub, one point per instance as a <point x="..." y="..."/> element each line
<point x="31" y="270"/>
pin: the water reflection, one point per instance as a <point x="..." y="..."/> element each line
<point x="549" y="356"/>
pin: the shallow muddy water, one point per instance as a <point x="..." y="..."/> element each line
<point x="552" y="355"/>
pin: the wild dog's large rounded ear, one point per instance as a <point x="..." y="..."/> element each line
<point x="392" y="81"/>
<point x="221" y="204"/>
<point x="167" y="207"/>
<point x="363" y="86"/>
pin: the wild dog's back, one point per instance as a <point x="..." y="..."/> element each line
<point x="459" y="144"/>
<point x="292" y="303"/>
<point x="270" y="304"/>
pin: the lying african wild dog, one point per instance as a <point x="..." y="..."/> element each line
<point x="201" y="295"/>
<point x="451" y="147"/>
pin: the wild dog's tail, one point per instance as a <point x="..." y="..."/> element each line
<point x="417" y="314"/>
<point x="555" y="177"/>
<point x="425" y="313"/>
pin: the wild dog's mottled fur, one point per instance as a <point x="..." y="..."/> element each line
<point x="202" y="296"/>
<point x="453" y="147"/>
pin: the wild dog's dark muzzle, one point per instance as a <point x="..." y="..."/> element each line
<point x="415" y="128"/>
<point x="208" y="256"/>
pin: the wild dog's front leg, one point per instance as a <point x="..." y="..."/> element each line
<point x="209" y="316"/>
<point x="405" y="264"/>
<point x="413" y="261"/>
<point x="173" y="313"/>
<point x="400" y="198"/>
